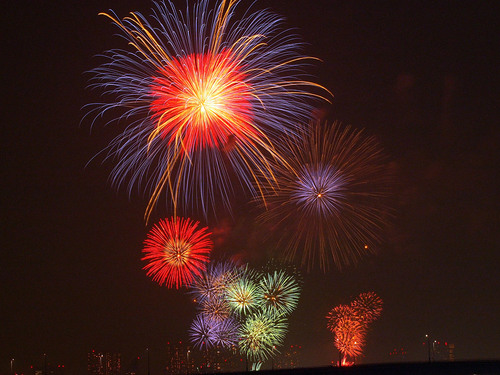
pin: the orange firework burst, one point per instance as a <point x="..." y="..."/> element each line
<point x="350" y="337"/>
<point x="337" y="314"/>
<point x="348" y="330"/>
<point x="349" y="323"/>
<point x="176" y="251"/>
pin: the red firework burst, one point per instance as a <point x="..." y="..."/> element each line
<point x="337" y="314"/>
<point x="176" y="251"/>
<point x="367" y="307"/>
<point x="202" y="101"/>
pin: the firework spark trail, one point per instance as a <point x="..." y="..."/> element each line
<point x="176" y="251"/>
<point x="204" y="98"/>
<point x="333" y="202"/>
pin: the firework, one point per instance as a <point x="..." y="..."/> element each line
<point x="260" y="334"/>
<point x="204" y="97"/>
<point x="202" y="332"/>
<point x="226" y="333"/>
<point x="241" y="294"/>
<point x="216" y="308"/>
<point x="337" y="314"/>
<point x="256" y="366"/>
<point x="176" y="251"/>
<point x="367" y="307"/>
<point x="348" y="330"/>
<point x="350" y="337"/>
<point x="332" y="203"/>
<point x="349" y="323"/>
<point x="214" y="281"/>
<point x="278" y="292"/>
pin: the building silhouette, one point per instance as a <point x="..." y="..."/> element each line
<point x="443" y="351"/>
<point x="103" y="363"/>
<point x="289" y="358"/>
<point x="398" y="354"/>
<point x="49" y="369"/>
<point x="179" y="358"/>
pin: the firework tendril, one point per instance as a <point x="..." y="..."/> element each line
<point x="203" y="98"/>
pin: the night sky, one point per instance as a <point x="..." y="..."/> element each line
<point x="420" y="77"/>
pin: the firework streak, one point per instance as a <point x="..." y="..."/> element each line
<point x="203" y="99"/>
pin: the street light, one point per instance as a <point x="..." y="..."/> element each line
<point x="12" y="366"/>
<point x="428" y="347"/>
<point x="147" y="350"/>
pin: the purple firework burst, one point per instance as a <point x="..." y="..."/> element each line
<point x="213" y="282"/>
<point x="333" y="201"/>
<point x="320" y="190"/>
<point x="226" y="333"/>
<point x="202" y="332"/>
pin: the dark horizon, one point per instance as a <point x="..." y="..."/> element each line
<point x="419" y="76"/>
